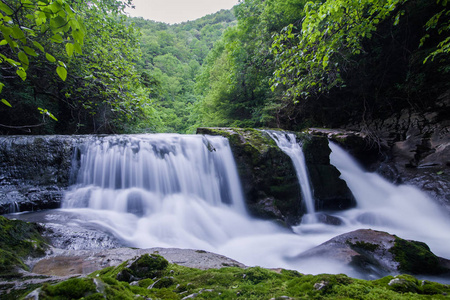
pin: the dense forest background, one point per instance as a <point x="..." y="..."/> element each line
<point x="68" y="67"/>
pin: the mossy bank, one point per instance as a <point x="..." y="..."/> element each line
<point x="153" y="278"/>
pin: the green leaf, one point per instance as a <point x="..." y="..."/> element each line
<point x="18" y="34"/>
<point x="57" y="38"/>
<point x="6" y="102"/>
<point x="24" y="59"/>
<point x="29" y="51"/>
<point x="50" y="57"/>
<point x="47" y="113"/>
<point x="1" y="86"/>
<point x="77" y="48"/>
<point x="69" y="49"/>
<point x="62" y="72"/>
<point x="6" y="8"/>
<point x="21" y="72"/>
<point x="3" y="43"/>
<point x="57" y="23"/>
<point x="39" y="46"/>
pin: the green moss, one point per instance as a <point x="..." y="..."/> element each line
<point x="74" y="288"/>
<point x="178" y="282"/>
<point x="145" y="283"/>
<point x="19" y="240"/>
<point x="361" y="245"/>
<point x="148" y="265"/>
<point x="416" y="258"/>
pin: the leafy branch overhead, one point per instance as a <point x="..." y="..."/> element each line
<point x="70" y="57"/>
<point x="312" y="59"/>
<point x="25" y="24"/>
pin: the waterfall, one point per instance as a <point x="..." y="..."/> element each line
<point x="403" y="210"/>
<point x="135" y="173"/>
<point x="168" y="190"/>
<point x="287" y="142"/>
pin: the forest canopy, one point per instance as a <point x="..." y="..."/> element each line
<point x="67" y="66"/>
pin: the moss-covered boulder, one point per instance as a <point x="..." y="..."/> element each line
<point x="376" y="253"/>
<point x="267" y="175"/>
<point x="146" y="266"/>
<point x="19" y="240"/>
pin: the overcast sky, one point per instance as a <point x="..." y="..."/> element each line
<point x="177" y="11"/>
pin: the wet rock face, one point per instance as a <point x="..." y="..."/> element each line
<point x="269" y="179"/>
<point x="34" y="170"/>
<point x="414" y="148"/>
<point x="330" y="192"/>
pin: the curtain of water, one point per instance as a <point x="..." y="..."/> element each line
<point x="135" y="173"/>
<point x="287" y="142"/>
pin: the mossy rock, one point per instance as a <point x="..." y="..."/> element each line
<point x="268" y="178"/>
<point x="416" y="258"/>
<point x="146" y="266"/>
<point x="74" y="288"/>
<point x="19" y="240"/>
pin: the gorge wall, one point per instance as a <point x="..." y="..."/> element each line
<point x="411" y="147"/>
<point x="34" y="171"/>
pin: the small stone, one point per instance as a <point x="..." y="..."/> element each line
<point x="320" y="285"/>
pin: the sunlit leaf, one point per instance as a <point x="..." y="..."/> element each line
<point x="6" y="102"/>
<point x="62" y="72"/>
<point x="50" y="57"/>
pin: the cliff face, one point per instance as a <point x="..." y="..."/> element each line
<point x="414" y="148"/>
<point x="34" y="171"/>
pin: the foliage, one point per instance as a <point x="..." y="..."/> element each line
<point x="441" y="22"/>
<point x="235" y="81"/>
<point x="311" y="62"/>
<point x="26" y="23"/>
<point x="249" y="283"/>
<point x="93" y="52"/>
<point x="172" y="58"/>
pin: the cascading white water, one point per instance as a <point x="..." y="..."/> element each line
<point x="183" y="191"/>
<point x="135" y="173"/>
<point x="287" y="142"/>
<point x="162" y="190"/>
<point x="403" y="210"/>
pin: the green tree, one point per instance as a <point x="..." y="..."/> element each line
<point x="101" y="88"/>
<point x="26" y="25"/>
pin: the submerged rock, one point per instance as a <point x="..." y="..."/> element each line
<point x="375" y="254"/>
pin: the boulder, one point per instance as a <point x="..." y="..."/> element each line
<point x="376" y="254"/>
